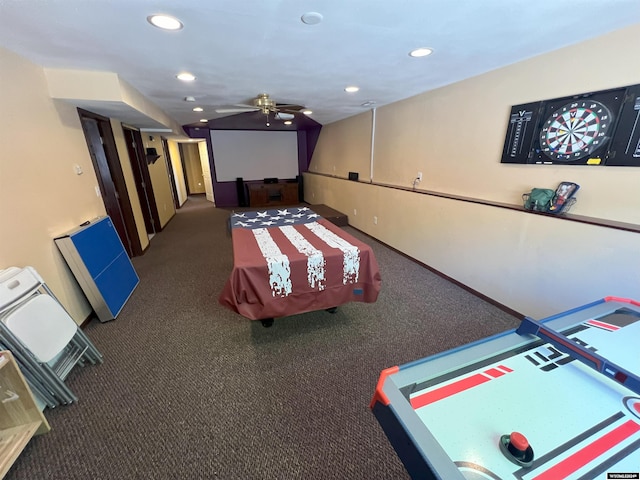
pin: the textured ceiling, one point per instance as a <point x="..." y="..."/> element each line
<point x="238" y="49"/>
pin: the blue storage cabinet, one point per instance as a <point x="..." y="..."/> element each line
<point x="101" y="265"/>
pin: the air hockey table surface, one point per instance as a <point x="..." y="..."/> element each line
<point x="455" y="414"/>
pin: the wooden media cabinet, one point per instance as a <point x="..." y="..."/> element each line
<point x="273" y="194"/>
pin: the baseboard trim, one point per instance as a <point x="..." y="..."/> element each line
<point x="87" y="320"/>
<point x="474" y="292"/>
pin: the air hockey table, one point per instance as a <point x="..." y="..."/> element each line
<point x="553" y="399"/>
<point x="292" y="260"/>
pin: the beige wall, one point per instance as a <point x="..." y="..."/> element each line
<point x="193" y="168"/>
<point x="159" y="173"/>
<point x="41" y="196"/>
<point x="205" y="166"/>
<point x="178" y="172"/>
<point x="454" y="135"/>
<point x="348" y="150"/>
<point x="127" y="171"/>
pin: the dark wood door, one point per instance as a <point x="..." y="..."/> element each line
<point x="172" y="178"/>
<point x="142" y="178"/>
<point x="104" y="155"/>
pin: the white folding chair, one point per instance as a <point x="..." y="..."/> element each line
<point x="40" y="332"/>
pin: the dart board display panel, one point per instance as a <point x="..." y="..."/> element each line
<point x="624" y="149"/>
<point x="599" y="128"/>
<point x="523" y="125"/>
<point x="577" y="131"/>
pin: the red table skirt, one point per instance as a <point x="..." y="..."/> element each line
<point x="285" y="270"/>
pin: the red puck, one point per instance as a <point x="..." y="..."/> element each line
<point x="519" y="441"/>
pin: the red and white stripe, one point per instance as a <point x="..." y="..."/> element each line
<point x="315" y="258"/>
<point x="277" y="262"/>
<point x="303" y="241"/>
<point x="351" y="258"/>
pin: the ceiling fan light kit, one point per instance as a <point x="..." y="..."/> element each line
<point x="285" y="116"/>
<point x="266" y="105"/>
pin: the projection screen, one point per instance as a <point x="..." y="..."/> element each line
<point x="254" y="154"/>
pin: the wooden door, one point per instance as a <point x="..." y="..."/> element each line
<point x="142" y="178"/>
<point x="104" y="155"/>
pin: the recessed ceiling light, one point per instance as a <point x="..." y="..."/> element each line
<point x="204" y="120"/>
<point x="421" y="52"/>
<point x="352" y="89"/>
<point x="198" y="109"/>
<point x="165" y="22"/>
<point x="307" y="112"/>
<point x="189" y="99"/>
<point x="288" y="122"/>
<point x="311" y="18"/>
<point x="186" y="77"/>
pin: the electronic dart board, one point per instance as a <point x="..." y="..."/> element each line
<point x="578" y="130"/>
<point x="575" y="130"/>
<point x="599" y="128"/>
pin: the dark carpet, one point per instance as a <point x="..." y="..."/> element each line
<point x="190" y="390"/>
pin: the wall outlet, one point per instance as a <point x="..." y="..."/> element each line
<point x="355" y="212"/>
<point x="375" y="220"/>
<point x="419" y="176"/>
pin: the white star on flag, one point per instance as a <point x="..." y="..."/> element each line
<point x="276" y="218"/>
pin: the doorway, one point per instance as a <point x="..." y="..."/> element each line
<point x="206" y="171"/>
<point x="144" y="187"/>
<point x="106" y="163"/>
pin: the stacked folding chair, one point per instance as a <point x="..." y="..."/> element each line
<point x="43" y="338"/>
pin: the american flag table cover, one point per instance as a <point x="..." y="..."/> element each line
<point x="293" y="261"/>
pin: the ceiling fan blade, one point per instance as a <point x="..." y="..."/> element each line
<point x="286" y="106"/>
<point x="236" y="110"/>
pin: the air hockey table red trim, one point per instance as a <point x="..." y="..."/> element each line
<point x="419" y="448"/>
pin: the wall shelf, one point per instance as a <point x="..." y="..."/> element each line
<point x="601" y="222"/>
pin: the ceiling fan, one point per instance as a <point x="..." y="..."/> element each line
<point x="264" y="103"/>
